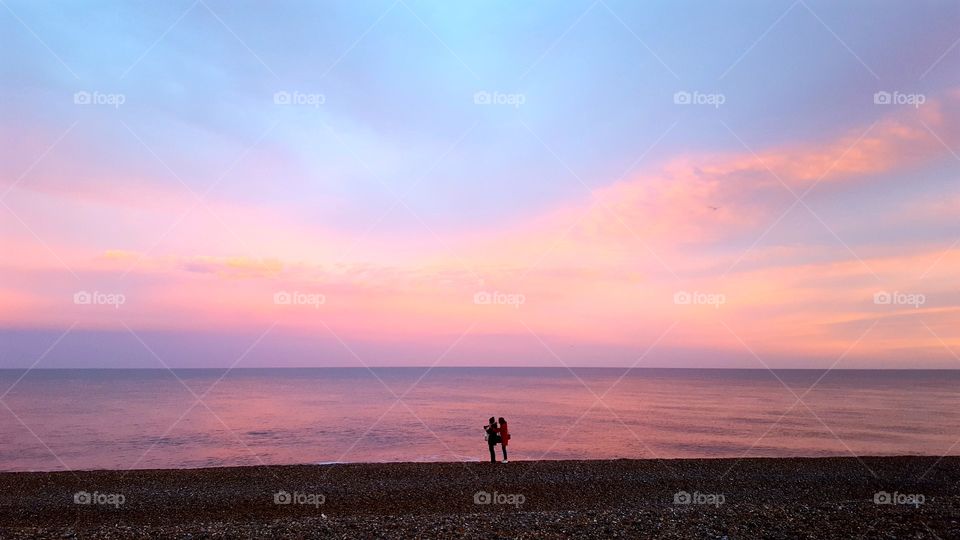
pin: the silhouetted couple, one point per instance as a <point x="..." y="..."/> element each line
<point x="497" y="434"/>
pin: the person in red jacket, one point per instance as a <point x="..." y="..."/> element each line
<point x="504" y="437"/>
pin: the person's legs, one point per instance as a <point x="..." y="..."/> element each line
<point x="493" y="453"/>
<point x="504" y="452"/>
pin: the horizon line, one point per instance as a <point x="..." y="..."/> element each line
<point x="714" y="368"/>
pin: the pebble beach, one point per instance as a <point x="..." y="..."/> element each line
<point x="870" y="497"/>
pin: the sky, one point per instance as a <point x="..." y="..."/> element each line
<point x="601" y="183"/>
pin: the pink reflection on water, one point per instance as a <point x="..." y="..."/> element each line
<point x="120" y="419"/>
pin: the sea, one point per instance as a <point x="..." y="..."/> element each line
<point x="62" y="419"/>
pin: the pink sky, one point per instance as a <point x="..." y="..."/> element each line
<point x="602" y="269"/>
<point x="594" y="222"/>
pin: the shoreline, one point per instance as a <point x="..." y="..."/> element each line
<point x="672" y="498"/>
<point x="473" y="461"/>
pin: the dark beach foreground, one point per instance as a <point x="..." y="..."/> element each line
<point x="872" y="497"/>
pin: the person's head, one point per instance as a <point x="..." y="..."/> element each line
<point x="493" y="420"/>
<point x="502" y="421"/>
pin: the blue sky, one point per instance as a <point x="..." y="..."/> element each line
<point x="594" y="93"/>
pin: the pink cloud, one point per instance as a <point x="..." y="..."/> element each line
<point x="601" y="271"/>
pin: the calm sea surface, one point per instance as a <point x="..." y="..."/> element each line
<point x="121" y="419"/>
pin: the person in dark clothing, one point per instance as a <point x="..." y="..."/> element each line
<point x="493" y="437"/>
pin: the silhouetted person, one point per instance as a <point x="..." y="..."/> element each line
<point x="493" y="437"/>
<point x="504" y="437"/>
